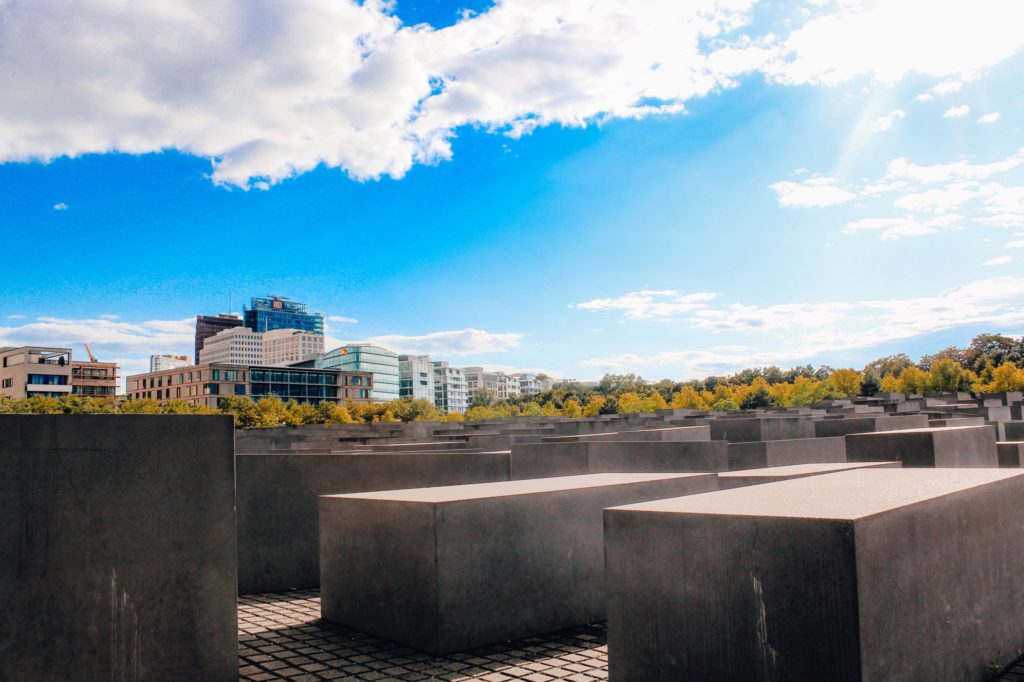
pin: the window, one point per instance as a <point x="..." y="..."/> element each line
<point x="8" y="383"/>
<point x="239" y="389"/>
<point x="48" y="379"/>
<point x="215" y="374"/>
<point x="211" y="389"/>
<point x="230" y="375"/>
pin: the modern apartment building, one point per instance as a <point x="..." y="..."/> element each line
<point x="364" y="357"/>
<point x="289" y="346"/>
<point x="161" y="362"/>
<point x="233" y="346"/>
<point x="207" y="384"/>
<point x="504" y="386"/>
<point x="274" y="312"/>
<point x="529" y="384"/>
<point x="94" y="379"/>
<point x="449" y="388"/>
<point x="416" y="377"/>
<point x="209" y="325"/>
<point x="33" y="370"/>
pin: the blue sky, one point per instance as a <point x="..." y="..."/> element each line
<point x="576" y="187"/>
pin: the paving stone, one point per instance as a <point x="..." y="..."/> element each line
<point x="281" y="637"/>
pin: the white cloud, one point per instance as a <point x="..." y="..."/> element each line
<point x="270" y="90"/>
<point x="902" y="168"/>
<point x="999" y="260"/>
<point x="989" y="118"/>
<point x="814" y="192"/>
<point x="450" y="343"/>
<point x="896" y="228"/>
<point x="342" y="319"/>
<point x="947" y="39"/>
<point x="1016" y="244"/>
<point x="800" y="331"/>
<point x="957" y="112"/>
<point x="648" y="304"/>
<point x="103" y="334"/>
<point x="15" y="317"/>
<point x="883" y="123"/>
<point x="924" y="97"/>
<point x="947" y="88"/>
<point x="61" y="207"/>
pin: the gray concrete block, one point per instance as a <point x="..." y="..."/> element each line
<point x="277" y="508"/>
<point x="674" y="434"/>
<point x="1013" y="431"/>
<point x="445" y="569"/>
<point x="772" y="453"/>
<point x="738" y="479"/>
<point x="867" y="575"/>
<point x="117" y="538"/>
<point x="745" y="429"/>
<point x="542" y="460"/>
<point x="1011" y="454"/>
<point x="842" y="427"/>
<point x="958" y="446"/>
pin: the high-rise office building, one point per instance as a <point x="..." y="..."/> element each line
<point x="275" y="312"/>
<point x="289" y="346"/>
<point x="416" y="377"/>
<point x="209" y="325"/>
<point x="449" y="388"/>
<point x="364" y="357"/>
<point x="234" y="346"/>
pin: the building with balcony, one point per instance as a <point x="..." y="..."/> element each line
<point x="449" y="388"/>
<point x="209" y="325"/>
<point x="416" y="377"/>
<point x="364" y="357"/>
<point x="208" y="384"/>
<point x="504" y="386"/>
<point x="35" y="371"/>
<point x="275" y="312"/>
<point x="161" y="362"/>
<point x="94" y="379"/>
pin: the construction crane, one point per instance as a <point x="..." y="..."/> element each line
<point x="92" y="358"/>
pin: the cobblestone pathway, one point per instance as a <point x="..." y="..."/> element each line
<point x="281" y="637"/>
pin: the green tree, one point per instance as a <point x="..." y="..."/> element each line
<point x="482" y="397"/>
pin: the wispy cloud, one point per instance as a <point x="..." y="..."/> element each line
<point x="648" y="304"/>
<point x="61" y="207"/>
<point x="989" y="118"/>
<point x="999" y="260"/>
<point x="450" y="343"/>
<point x="883" y="123"/>
<point x="341" y="319"/>
<point x="813" y="192"/>
<point x="957" y="112"/>
<point x="789" y="332"/>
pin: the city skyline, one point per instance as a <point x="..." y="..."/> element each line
<point x="750" y="187"/>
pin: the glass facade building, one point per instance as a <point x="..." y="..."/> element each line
<point x="302" y="385"/>
<point x="274" y="312"/>
<point x="380" y="362"/>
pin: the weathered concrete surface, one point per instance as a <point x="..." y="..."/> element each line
<point x="842" y="427"/>
<point x="745" y="429"/>
<point x="771" y="453"/>
<point x="958" y="446"/>
<point x="540" y="460"/>
<point x="277" y="508"/>
<point x="867" y="575"/>
<point x="445" y="569"/>
<point x="117" y="548"/>
<point x="738" y="479"/>
<point x="1011" y="454"/>
<point x="674" y="434"/>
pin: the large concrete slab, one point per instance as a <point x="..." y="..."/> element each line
<point x="1011" y="454"/>
<point x="867" y="575"/>
<point x="277" y="508"/>
<point x="772" y="453"/>
<point x="958" y="446"/>
<point x="738" y="479"/>
<point x="746" y="429"/>
<point x="117" y="548"/>
<point x="541" y="460"/>
<point x="842" y="427"/>
<point x="446" y="569"/>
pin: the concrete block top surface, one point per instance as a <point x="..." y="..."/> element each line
<point x="846" y="495"/>
<point x="928" y="429"/>
<point x="479" y="491"/>
<point x="802" y="469"/>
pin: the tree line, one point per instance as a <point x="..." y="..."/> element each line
<point x="990" y="364"/>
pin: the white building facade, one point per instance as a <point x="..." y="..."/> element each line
<point x="234" y="346"/>
<point x="416" y="377"/>
<point x="450" y="393"/>
<point x="288" y="346"/>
